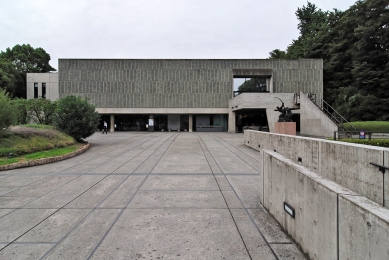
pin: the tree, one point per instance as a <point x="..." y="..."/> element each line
<point x="277" y="54"/>
<point x="26" y="59"/>
<point x="40" y="110"/>
<point x="253" y="85"/>
<point x="9" y="76"/>
<point x="7" y="111"/>
<point x="76" y="117"/>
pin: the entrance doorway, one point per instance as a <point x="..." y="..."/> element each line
<point x="254" y="118"/>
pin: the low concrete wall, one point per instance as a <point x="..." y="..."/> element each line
<point x="344" y="163"/>
<point x="363" y="229"/>
<point x="331" y="222"/>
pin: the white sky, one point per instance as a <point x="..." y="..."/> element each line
<point x="175" y="29"/>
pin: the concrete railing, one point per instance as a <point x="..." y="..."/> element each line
<point x="346" y="164"/>
<point x="327" y="220"/>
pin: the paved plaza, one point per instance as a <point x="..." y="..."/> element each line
<point x="140" y="195"/>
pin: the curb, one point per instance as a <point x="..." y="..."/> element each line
<point x="44" y="160"/>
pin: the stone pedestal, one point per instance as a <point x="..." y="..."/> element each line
<point x="286" y="128"/>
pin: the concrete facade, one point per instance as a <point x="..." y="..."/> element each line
<point x="185" y="87"/>
<point x="51" y="81"/>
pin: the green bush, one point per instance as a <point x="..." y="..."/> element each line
<point x="7" y="112"/>
<point x="76" y="117"/>
<point x="374" y="142"/>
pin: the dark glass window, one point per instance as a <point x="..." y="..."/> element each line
<point x="43" y="90"/>
<point x="35" y="90"/>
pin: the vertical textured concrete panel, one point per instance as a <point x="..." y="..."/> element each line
<point x="148" y="76"/>
<point x="292" y="147"/>
<point x="363" y="229"/>
<point x="313" y="199"/>
<point x="349" y="165"/>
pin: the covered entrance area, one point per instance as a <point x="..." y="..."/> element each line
<point x="255" y="118"/>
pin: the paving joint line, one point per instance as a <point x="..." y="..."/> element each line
<point x="121" y="212"/>
<point x="225" y="201"/>
<point x="248" y="213"/>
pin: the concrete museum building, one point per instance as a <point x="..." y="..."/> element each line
<point x="190" y="94"/>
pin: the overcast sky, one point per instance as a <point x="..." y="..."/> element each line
<point x="174" y="29"/>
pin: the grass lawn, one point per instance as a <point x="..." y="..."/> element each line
<point x="29" y="142"/>
<point x="41" y="154"/>
<point x="370" y="126"/>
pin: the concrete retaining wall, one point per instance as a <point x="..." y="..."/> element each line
<point x="344" y="163"/>
<point x="313" y="121"/>
<point x="331" y="222"/>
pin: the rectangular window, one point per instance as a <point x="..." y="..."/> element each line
<point x="43" y="90"/>
<point x="35" y="90"/>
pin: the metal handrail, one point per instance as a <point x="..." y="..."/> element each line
<point x="335" y="115"/>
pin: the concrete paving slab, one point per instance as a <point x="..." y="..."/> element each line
<point x="232" y="200"/>
<point x="80" y="168"/>
<point x="120" y="197"/>
<point x="65" y="194"/>
<point x="181" y="182"/>
<point x="129" y="167"/>
<point x="149" y="164"/>
<point x="108" y="167"/>
<point x="223" y="183"/>
<point x="99" y="160"/>
<point x="169" y="197"/>
<point x="42" y="186"/>
<point x="182" y="164"/>
<point x="287" y="251"/>
<point x="82" y="240"/>
<point x="25" y="251"/>
<point x="178" y="199"/>
<point x="92" y="197"/>
<point x="14" y="202"/>
<point x="16" y="181"/>
<point x="271" y="230"/>
<point x="256" y="245"/>
<point x="6" y="190"/>
<point x="173" y="234"/>
<point x="247" y="188"/>
<point x="57" y="226"/>
<point x="4" y="212"/>
<point x="233" y="164"/>
<point x="19" y="222"/>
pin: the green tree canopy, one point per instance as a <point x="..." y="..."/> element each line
<point x="26" y="59"/>
<point x="253" y="85"/>
<point x="354" y="47"/>
<point x="9" y="76"/>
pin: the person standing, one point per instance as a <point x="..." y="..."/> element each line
<point x="105" y="128"/>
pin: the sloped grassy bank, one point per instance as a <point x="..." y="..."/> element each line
<point x="30" y="142"/>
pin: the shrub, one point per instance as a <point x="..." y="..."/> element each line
<point x="374" y="142"/>
<point x="76" y="117"/>
<point x="7" y="111"/>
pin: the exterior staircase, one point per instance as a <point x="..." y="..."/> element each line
<point x="330" y="112"/>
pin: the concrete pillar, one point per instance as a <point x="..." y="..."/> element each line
<point x="231" y="122"/>
<point x="190" y="123"/>
<point x="112" y="122"/>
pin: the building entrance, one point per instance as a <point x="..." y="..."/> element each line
<point x="254" y="118"/>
